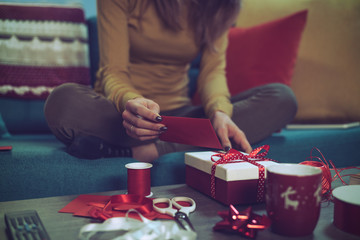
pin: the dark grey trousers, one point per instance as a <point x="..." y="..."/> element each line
<point x="73" y="109"/>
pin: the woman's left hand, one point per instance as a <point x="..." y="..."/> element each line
<point x="226" y="129"/>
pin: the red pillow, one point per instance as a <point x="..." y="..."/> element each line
<point x="264" y="53"/>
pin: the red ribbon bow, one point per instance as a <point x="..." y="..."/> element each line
<point x="123" y="202"/>
<point x="234" y="156"/>
<point x="245" y="223"/>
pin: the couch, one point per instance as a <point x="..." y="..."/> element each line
<point x="323" y="77"/>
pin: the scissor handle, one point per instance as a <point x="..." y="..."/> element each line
<point x="167" y="210"/>
<point x="184" y="209"/>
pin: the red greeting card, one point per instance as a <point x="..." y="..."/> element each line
<point x="191" y="131"/>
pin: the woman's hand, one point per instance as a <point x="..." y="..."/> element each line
<point x="141" y="119"/>
<point x="226" y="129"/>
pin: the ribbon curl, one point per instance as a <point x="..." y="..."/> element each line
<point x="325" y="166"/>
<point x="234" y="156"/>
<point x="245" y="223"/>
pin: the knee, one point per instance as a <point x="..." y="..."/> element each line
<point x="58" y="101"/>
<point x="63" y="91"/>
<point x="284" y="98"/>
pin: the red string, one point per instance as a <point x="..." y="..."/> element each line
<point x="326" y="166"/>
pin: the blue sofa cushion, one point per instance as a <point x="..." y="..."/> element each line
<point x="294" y="146"/>
<point x="4" y="133"/>
<point x="23" y="116"/>
<point x="38" y="165"/>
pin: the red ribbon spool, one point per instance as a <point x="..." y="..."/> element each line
<point x="347" y="208"/>
<point x="139" y="178"/>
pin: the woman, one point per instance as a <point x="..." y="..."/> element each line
<point x="146" y="47"/>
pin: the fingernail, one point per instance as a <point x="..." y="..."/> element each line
<point x="163" y="129"/>
<point x="158" y="118"/>
<point x="227" y="148"/>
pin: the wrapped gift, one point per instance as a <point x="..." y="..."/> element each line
<point x="231" y="178"/>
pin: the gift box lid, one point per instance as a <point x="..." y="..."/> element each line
<point x="229" y="172"/>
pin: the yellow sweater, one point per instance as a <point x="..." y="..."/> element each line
<point x="145" y="59"/>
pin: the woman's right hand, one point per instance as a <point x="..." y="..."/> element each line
<point x="141" y="119"/>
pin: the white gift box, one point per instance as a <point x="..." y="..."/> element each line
<point x="235" y="183"/>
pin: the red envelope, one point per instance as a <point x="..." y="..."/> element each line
<point x="191" y="131"/>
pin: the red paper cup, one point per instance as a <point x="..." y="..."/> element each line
<point x="347" y="208"/>
<point x="139" y="178"/>
<point x="293" y="198"/>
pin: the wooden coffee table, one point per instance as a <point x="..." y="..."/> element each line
<point x="65" y="226"/>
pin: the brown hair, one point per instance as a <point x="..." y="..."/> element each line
<point x="208" y="18"/>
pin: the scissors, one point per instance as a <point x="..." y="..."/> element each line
<point x="181" y="213"/>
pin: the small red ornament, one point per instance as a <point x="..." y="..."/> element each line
<point x="245" y="223"/>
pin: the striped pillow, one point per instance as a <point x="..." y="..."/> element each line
<point x="41" y="47"/>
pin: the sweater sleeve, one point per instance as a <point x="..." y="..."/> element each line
<point x="212" y="85"/>
<point x="113" y="77"/>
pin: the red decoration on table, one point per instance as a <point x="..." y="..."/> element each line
<point x="234" y="156"/>
<point x="347" y="208"/>
<point x="325" y="166"/>
<point x="246" y="223"/>
<point x="5" y="148"/>
<point x="124" y="202"/>
<point x="104" y="207"/>
<point x="98" y="213"/>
